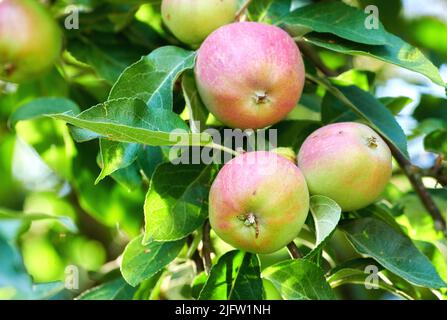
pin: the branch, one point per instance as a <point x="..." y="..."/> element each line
<point x="206" y="249"/>
<point x="410" y="171"/>
<point x="313" y="56"/>
<point x="294" y="251"/>
<point x="413" y="174"/>
<point x="193" y="253"/>
<point x="438" y="171"/>
<point x="242" y="10"/>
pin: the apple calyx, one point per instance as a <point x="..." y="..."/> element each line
<point x="250" y="220"/>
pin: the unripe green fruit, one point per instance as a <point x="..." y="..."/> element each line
<point x="249" y="75"/>
<point x="258" y="202"/>
<point x="347" y="162"/>
<point x="191" y="21"/>
<point x="30" y="40"/>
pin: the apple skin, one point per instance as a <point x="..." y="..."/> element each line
<point x="30" y="40"/>
<point x="191" y="21"/>
<point x="265" y="186"/>
<point x="249" y="74"/>
<point x="347" y="162"/>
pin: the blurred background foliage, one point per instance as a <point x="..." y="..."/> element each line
<point x="44" y="172"/>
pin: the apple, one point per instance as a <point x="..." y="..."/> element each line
<point x="258" y="202"/>
<point x="249" y="74"/>
<point x="347" y="162"/>
<point x="30" y="40"/>
<point x="191" y="21"/>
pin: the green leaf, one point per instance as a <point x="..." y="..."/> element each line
<point x="7" y="214"/>
<point x="326" y="214"/>
<point x="177" y="201"/>
<point x="116" y="155"/>
<point x="437" y="142"/>
<point x="107" y="202"/>
<point x="130" y="120"/>
<point x="431" y="107"/>
<point x="236" y="276"/>
<point x="396" y="51"/>
<point x="141" y="262"/>
<point x="269" y="11"/>
<point x="299" y="280"/>
<point x="336" y="18"/>
<point x="129" y="177"/>
<point x="198" y="113"/>
<point x="366" y="106"/>
<point x="108" y="53"/>
<point x="292" y="133"/>
<point x="395" y="104"/>
<point x="355" y="276"/>
<point x="43" y="106"/>
<point x="152" y="78"/>
<point x="393" y="250"/>
<point x="114" y="290"/>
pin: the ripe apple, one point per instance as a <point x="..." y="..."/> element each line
<point x="347" y="162"/>
<point x="191" y="21"/>
<point x="258" y="202"/>
<point x="30" y="40"/>
<point x="249" y="74"/>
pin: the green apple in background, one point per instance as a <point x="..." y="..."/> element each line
<point x="191" y="21"/>
<point x="30" y="40"/>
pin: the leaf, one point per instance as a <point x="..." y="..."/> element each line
<point x="149" y="159"/>
<point x="152" y="78"/>
<point x="7" y="214"/>
<point x="236" y="276"/>
<point x="299" y="280"/>
<point x="116" y="155"/>
<point x="177" y="201"/>
<point x="141" y="262"/>
<point x="128" y="177"/>
<point x="130" y="120"/>
<point x="269" y="11"/>
<point x="431" y="107"/>
<point x="396" y="51"/>
<point x="436" y="142"/>
<point x="108" y="53"/>
<point x="107" y="202"/>
<point x="355" y="276"/>
<point x="42" y="106"/>
<point x="198" y="113"/>
<point x="368" y="108"/>
<point x="336" y="18"/>
<point x="395" y="104"/>
<point x="114" y="290"/>
<point x="292" y="133"/>
<point x="326" y="214"/>
<point x="393" y="250"/>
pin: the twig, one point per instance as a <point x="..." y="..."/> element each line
<point x="306" y="49"/>
<point x="206" y="246"/>
<point x="242" y="10"/>
<point x="410" y="171"/>
<point x="193" y="253"/>
<point x="294" y="251"/>
<point x="413" y="174"/>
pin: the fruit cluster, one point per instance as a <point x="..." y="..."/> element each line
<point x="251" y="75"/>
